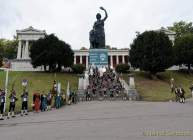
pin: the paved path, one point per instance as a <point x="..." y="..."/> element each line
<point x="106" y="120"/>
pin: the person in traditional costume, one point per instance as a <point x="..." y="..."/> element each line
<point x="2" y="103"/>
<point x="58" y="101"/>
<point x="43" y="102"/>
<point x="182" y="94"/>
<point x="13" y="100"/>
<point x="74" y="97"/>
<point x="36" y="102"/>
<point x="49" y="100"/>
<point x="87" y="95"/>
<point x="172" y="85"/>
<point x="54" y="87"/>
<point x="24" y="98"/>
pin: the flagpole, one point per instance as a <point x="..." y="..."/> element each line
<point x="67" y="92"/>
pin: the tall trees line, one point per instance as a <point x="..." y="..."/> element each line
<point x="152" y="51"/>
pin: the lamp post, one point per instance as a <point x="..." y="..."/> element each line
<point x="6" y="84"/>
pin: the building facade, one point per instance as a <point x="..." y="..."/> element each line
<point x="115" y="57"/>
<point x="26" y="37"/>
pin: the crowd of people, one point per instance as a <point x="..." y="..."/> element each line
<point x="103" y="82"/>
<point x="40" y="102"/>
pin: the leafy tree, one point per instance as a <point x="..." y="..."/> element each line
<point x="51" y="52"/>
<point x="8" y="48"/>
<point x="183" y="50"/>
<point x="182" y="28"/>
<point x="151" y="51"/>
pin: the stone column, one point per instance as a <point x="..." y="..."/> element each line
<point x="123" y="59"/>
<point x="111" y="59"/>
<point x="23" y="52"/>
<point x="19" y="50"/>
<point x="117" y="59"/>
<point x="86" y="61"/>
<point x="74" y="59"/>
<point x="27" y="50"/>
<point x="80" y="59"/>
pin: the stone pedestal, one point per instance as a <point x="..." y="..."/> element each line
<point x="98" y="57"/>
<point x="23" y="65"/>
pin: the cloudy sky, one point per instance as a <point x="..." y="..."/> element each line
<point x="71" y="20"/>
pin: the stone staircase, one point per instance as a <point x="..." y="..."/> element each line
<point x="130" y="90"/>
<point x="82" y="85"/>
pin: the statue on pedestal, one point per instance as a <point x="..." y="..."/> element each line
<point x="97" y="34"/>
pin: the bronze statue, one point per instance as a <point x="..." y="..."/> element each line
<point x="97" y="34"/>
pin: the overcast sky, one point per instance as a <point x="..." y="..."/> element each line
<point x="71" y="20"/>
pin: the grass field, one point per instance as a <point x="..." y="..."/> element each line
<point x="150" y="90"/>
<point x="159" y="89"/>
<point x="38" y="82"/>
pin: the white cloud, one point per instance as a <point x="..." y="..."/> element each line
<point x="71" y="20"/>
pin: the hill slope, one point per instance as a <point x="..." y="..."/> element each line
<point x="159" y="89"/>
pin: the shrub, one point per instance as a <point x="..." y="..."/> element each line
<point x="78" y="68"/>
<point x="122" y="68"/>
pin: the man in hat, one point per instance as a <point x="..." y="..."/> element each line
<point x="182" y="94"/>
<point x="2" y="103"/>
<point x="13" y="99"/>
<point x="24" y="98"/>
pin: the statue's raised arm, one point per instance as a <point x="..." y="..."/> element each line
<point x="97" y="34"/>
<point x="106" y="15"/>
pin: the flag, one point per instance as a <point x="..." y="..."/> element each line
<point x="59" y="88"/>
<point x="68" y="89"/>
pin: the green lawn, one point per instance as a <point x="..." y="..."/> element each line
<point x="150" y="90"/>
<point x="38" y="82"/>
<point x="159" y="89"/>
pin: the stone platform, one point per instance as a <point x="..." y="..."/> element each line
<point x="23" y="65"/>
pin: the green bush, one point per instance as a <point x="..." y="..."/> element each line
<point x="122" y="68"/>
<point x="78" y="68"/>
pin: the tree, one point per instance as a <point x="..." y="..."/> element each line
<point x="183" y="50"/>
<point x="151" y="51"/>
<point x="8" y="48"/>
<point x="108" y="47"/>
<point x="51" y="52"/>
<point x="182" y="28"/>
<point x="83" y="48"/>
